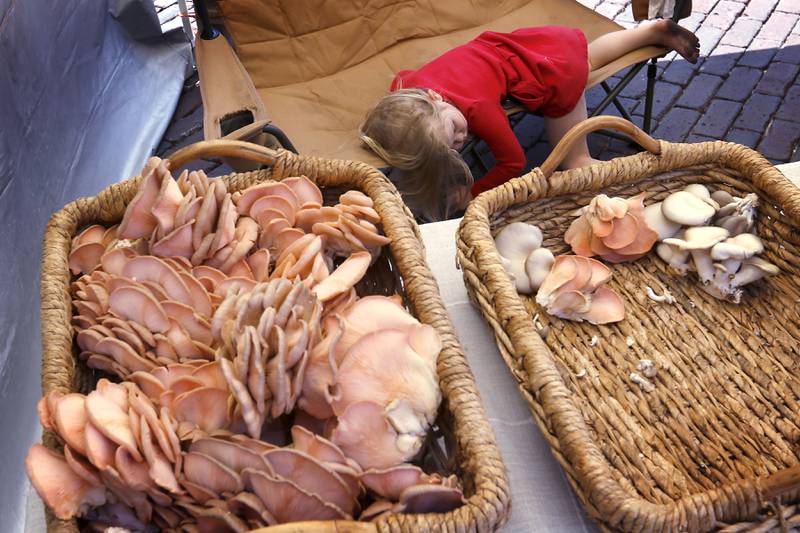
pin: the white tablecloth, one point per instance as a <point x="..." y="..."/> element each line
<point x="542" y="500"/>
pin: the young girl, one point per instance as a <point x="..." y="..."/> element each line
<point x="419" y="127"/>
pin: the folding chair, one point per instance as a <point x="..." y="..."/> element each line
<point x="308" y="71"/>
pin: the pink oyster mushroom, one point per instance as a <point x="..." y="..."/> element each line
<point x="573" y="290"/>
<point x="613" y="228"/>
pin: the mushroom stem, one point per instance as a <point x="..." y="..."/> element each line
<point x="666" y="297"/>
<point x="704" y="265"/>
<point x="746" y="275"/>
<point x="674" y="257"/>
<point x="731" y="267"/>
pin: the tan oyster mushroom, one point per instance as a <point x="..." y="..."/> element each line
<point x="722" y="197"/>
<point x="728" y="286"/>
<point x="732" y="251"/>
<point x="61" y="489"/>
<point x="753" y="269"/>
<point x="538" y="265"/>
<point x="699" y="241"/>
<point x="515" y="242"/>
<point x="676" y="258"/>
<point x="738" y="215"/>
<point x="655" y="218"/>
<point x="685" y="208"/>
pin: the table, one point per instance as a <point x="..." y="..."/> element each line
<point x="542" y="500"/>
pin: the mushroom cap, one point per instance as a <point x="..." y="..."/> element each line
<point x="725" y="250"/>
<point x="288" y="502"/>
<point x="687" y="209"/>
<point x="722" y="198"/>
<point x="517" y="240"/>
<point x="763" y="265"/>
<point x="311" y="475"/>
<point x="748" y="242"/>
<point x="698" y="189"/>
<point x="699" y="238"/>
<point x="516" y="272"/>
<point x="538" y="265"/>
<point x="64" y="491"/>
<point x="655" y="219"/>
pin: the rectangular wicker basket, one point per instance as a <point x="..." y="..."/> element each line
<point x="715" y="445"/>
<point x="469" y="448"/>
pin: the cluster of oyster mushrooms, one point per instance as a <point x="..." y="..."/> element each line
<point x="709" y="233"/>
<point x="255" y="386"/>
<point x="713" y="235"/>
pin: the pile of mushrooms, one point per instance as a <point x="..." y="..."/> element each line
<point x="567" y="286"/>
<point x="226" y="329"/>
<point x="120" y="451"/>
<point x="613" y="228"/>
<point x="711" y="234"/>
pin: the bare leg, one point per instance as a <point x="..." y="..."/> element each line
<point x="579" y="155"/>
<point x="666" y="33"/>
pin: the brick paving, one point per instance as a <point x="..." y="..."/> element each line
<point x="744" y="89"/>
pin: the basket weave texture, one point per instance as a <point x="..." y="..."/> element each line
<point x="715" y="445"/>
<point x="471" y="449"/>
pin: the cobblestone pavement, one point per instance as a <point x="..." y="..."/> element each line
<point x="744" y="89"/>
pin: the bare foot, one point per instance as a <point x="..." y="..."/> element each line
<point x="678" y="38"/>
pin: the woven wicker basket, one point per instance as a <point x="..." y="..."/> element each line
<point x="715" y="445"/>
<point x="469" y="451"/>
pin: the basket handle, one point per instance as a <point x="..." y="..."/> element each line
<point x="223" y="148"/>
<point x="579" y="131"/>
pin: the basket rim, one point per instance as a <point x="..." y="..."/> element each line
<point x="571" y="440"/>
<point x="488" y="507"/>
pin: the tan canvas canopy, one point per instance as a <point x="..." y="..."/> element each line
<point x="314" y="68"/>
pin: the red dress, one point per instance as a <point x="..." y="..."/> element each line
<point x="545" y="68"/>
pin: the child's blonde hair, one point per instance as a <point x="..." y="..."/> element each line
<point x="404" y="130"/>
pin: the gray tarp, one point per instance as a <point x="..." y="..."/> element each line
<point x="83" y="102"/>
